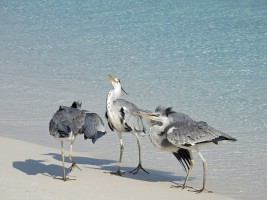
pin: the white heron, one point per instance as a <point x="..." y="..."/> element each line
<point x="69" y="122"/>
<point x="120" y="116"/>
<point x="172" y="131"/>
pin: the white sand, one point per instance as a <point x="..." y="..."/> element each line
<point x="27" y="172"/>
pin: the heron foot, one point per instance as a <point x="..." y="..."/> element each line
<point x="64" y="179"/>
<point x="134" y="171"/>
<point x="118" y="173"/>
<point x="74" y="165"/>
<point x="200" y="191"/>
<point x="182" y="187"/>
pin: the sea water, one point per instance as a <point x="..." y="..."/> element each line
<point x="204" y="58"/>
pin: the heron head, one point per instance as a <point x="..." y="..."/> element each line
<point x="164" y="111"/>
<point x="113" y="79"/>
<point x="159" y="117"/>
<point x="152" y="116"/>
<point x="116" y="82"/>
<point x="76" y="104"/>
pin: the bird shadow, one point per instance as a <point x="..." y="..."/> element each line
<point x="34" y="167"/>
<point x="83" y="160"/>
<point x="153" y="176"/>
<point x="108" y="166"/>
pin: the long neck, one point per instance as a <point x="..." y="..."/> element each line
<point x="116" y="92"/>
<point x="159" y="129"/>
<point x="113" y="95"/>
<point x="156" y="137"/>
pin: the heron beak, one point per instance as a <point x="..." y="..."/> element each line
<point x="147" y="115"/>
<point x="111" y="78"/>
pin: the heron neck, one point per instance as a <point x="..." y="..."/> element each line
<point x="114" y="94"/>
<point x="160" y="129"/>
<point x="164" y="126"/>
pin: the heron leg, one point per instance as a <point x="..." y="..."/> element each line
<point x="184" y="186"/>
<point x="203" y="189"/>
<point x="63" y="165"/>
<point x="134" y="171"/>
<point x="188" y="173"/>
<point x="73" y="165"/>
<point x="119" y="172"/>
<point x="64" y="178"/>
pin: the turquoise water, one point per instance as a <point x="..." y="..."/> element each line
<point x="204" y="58"/>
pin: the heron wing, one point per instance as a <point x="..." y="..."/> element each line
<point x="184" y="157"/>
<point x="93" y="127"/>
<point x="65" y="120"/>
<point x="190" y="133"/>
<point x="59" y="128"/>
<point x="180" y="117"/>
<point x="109" y="122"/>
<point x="131" y="121"/>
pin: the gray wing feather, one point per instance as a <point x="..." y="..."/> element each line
<point x="59" y="128"/>
<point x="93" y="127"/>
<point x="190" y="133"/>
<point x="88" y="129"/>
<point x="180" y="117"/>
<point x="66" y="119"/>
<point x="127" y="116"/>
<point x="98" y="122"/>
<point x="134" y="121"/>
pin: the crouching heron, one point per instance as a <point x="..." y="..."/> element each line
<point x="178" y="133"/>
<point x="69" y="122"/>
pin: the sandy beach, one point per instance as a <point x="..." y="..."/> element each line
<point x="28" y="171"/>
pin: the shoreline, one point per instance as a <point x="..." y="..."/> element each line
<point x="28" y="172"/>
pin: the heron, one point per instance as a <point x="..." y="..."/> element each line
<point x="178" y="133"/>
<point x="121" y="118"/>
<point x="69" y="122"/>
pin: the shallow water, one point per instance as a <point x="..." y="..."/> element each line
<point x="204" y="58"/>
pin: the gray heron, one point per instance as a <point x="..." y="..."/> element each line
<point x="69" y="122"/>
<point x="178" y="133"/>
<point x="121" y="118"/>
